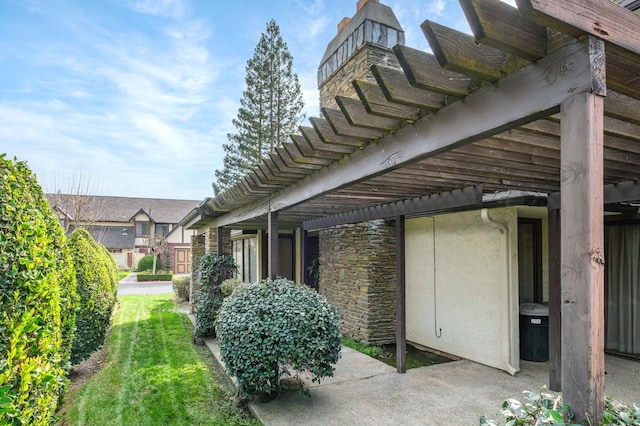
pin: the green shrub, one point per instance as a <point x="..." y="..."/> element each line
<point x="228" y="286"/>
<point x="159" y="276"/>
<point x="146" y="263"/>
<point x="372" y="351"/>
<point x="96" y="277"/>
<point x="181" y="284"/>
<point x="543" y="408"/>
<point x="37" y="301"/>
<point x="273" y="329"/>
<point x="212" y="271"/>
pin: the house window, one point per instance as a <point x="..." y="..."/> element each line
<point x="162" y="229"/>
<point x="142" y="229"/>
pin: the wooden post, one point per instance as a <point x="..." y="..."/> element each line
<point x="272" y="244"/>
<point x="555" y="317"/>
<point x="582" y="256"/>
<point x="220" y="241"/>
<point x="304" y="254"/>
<point x="401" y="329"/>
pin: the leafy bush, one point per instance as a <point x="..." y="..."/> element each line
<point x="159" y="276"/>
<point x="542" y="408"/>
<point x="212" y="271"/>
<point x="96" y="276"/>
<point x="146" y="263"/>
<point x="229" y="286"/>
<point x="37" y="300"/>
<point x="181" y="285"/>
<point x="270" y="329"/>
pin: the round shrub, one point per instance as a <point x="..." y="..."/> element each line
<point x="146" y="263"/>
<point x="96" y="292"/>
<point x="228" y="286"/>
<point x="212" y="271"/>
<point x="37" y="300"/>
<point x="269" y="330"/>
<point x="181" y="286"/>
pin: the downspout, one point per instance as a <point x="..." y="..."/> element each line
<point x="484" y="215"/>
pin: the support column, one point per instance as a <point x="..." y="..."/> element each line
<point x="220" y="241"/>
<point x="555" y="317"/>
<point x="582" y="258"/>
<point x="272" y="244"/>
<point x="401" y="329"/>
<point x="304" y="256"/>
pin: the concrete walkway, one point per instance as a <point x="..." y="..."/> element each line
<point x="129" y="286"/>
<point x="365" y="391"/>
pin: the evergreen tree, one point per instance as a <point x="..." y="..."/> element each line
<point x="270" y="108"/>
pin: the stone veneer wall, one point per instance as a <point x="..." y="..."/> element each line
<point x="358" y="276"/>
<point x="357" y="67"/>
<point x="211" y="240"/>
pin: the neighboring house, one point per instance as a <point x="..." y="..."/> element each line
<point x="442" y="191"/>
<point x="130" y="227"/>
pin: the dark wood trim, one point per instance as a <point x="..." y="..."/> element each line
<point x="401" y="304"/>
<point x="582" y="249"/>
<point x="220" y="240"/>
<point x="428" y="203"/>
<point x="555" y="316"/>
<point x="537" y="256"/>
<point x="272" y="244"/>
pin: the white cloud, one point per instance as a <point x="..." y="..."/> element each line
<point x="175" y="9"/>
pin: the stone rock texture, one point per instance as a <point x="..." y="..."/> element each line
<point x="358" y="276"/>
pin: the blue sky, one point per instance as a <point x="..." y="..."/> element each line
<point x="135" y="97"/>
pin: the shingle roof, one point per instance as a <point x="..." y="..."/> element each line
<point x="113" y="237"/>
<point x="122" y="209"/>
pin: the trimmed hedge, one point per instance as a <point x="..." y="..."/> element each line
<point x="273" y="329"/>
<point x="37" y="300"/>
<point x="181" y="286"/>
<point x="146" y="263"/>
<point x="148" y="276"/>
<point x="97" y="289"/>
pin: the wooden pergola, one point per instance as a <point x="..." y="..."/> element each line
<point x="544" y="98"/>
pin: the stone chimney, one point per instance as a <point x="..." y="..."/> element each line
<point x="362" y="3"/>
<point x="363" y="40"/>
<point x="343" y="23"/>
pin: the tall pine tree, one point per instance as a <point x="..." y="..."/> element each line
<point x="270" y="108"/>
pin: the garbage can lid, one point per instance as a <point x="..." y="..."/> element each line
<point x="534" y="310"/>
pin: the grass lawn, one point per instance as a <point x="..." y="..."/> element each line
<point x="153" y="374"/>
<point x="123" y="274"/>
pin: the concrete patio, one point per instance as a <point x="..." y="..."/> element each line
<point x="365" y="391"/>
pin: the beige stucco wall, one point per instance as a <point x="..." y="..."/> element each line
<point x="468" y="304"/>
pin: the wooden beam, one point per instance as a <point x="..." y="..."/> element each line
<point x="601" y="18"/>
<point x="519" y="98"/>
<point x="424" y="71"/>
<point x="428" y="203"/>
<point x="357" y="115"/>
<point x="326" y="133"/>
<point x="286" y="158"/>
<point x="298" y="157"/>
<point x="582" y="255"/>
<point x="401" y="304"/>
<point x="342" y="127"/>
<point x="396" y="89"/>
<point x="459" y="52"/>
<point x="376" y="103"/>
<point x="308" y="151"/>
<point x="499" y="25"/>
<point x="272" y="244"/>
<point x="316" y="142"/>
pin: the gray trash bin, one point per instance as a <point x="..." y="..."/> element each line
<point x="534" y="332"/>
